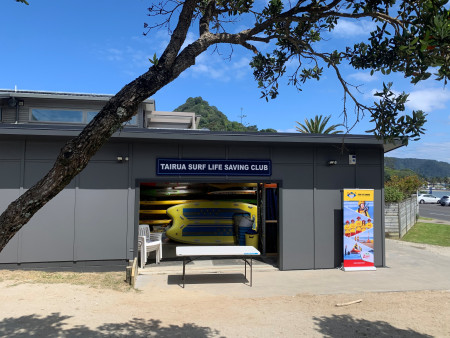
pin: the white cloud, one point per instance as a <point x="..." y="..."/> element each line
<point x="190" y="38"/>
<point x="113" y="54"/>
<point x="289" y="130"/>
<point x="215" y="67"/>
<point x="346" y="28"/>
<point x="428" y="99"/>
<point x="133" y="58"/>
<point x="363" y="77"/>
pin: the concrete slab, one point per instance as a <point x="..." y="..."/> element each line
<point x="410" y="267"/>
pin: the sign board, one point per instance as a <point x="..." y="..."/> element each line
<point x="358" y="229"/>
<point x="166" y="166"/>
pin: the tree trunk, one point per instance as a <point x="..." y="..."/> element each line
<point x="77" y="152"/>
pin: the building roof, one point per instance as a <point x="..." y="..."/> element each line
<point x="31" y="129"/>
<point x="134" y="133"/>
<point x="6" y="93"/>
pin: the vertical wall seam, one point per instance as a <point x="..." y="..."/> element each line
<point x="314" y="204"/>
<point x="129" y="165"/>
<point x="21" y="191"/>
<point x="383" y="236"/>
<point x="74" y="250"/>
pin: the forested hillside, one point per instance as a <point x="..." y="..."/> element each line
<point x="425" y="168"/>
<point x="213" y="119"/>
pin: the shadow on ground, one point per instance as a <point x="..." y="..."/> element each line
<point x="53" y="326"/>
<point x="347" y="326"/>
<point x="219" y="278"/>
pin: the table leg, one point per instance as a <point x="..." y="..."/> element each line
<point x="184" y="270"/>
<point x="251" y="271"/>
<point x="245" y="263"/>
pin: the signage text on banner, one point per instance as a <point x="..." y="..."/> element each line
<point x="166" y="166"/>
<point x="358" y="226"/>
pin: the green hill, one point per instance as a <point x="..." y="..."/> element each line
<point x="425" y="168"/>
<point x="213" y="119"/>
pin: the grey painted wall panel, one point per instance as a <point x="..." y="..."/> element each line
<point x="145" y="155"/>
<point x="110" y="152"/>
<point x="329" y="182"/>
<point x="40" y="150"/>
<point x="323" y="154"/>
<point x="294" y="176"/>
<point x="132" y="223"/>
<point x="378" y="230"/>
<point x="297" y="229"/>
<point x="101" y="224"/>
<point x="104" y="175"/>
<point x="8" y="114"/>
<point x="35" y="170"/>
<point x="248" y="152"/>
<point x="328" y="231"/>
<point x="335" y="177"/>
<point x="50" y="233"/>
<point x="11" y="150"/>
<point x="10" y="252"/>
<point x="206" y="151"/>
<point x="10" y="174"/>
<point x="293" y="155"/>
<point x="369" y="177"/>
<point x="372" y="156"/>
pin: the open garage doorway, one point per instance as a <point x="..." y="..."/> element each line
<point x="212" y="213"/>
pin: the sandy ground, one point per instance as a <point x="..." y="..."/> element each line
<point x="217" y="309"/>
<point x="63" y="310"/>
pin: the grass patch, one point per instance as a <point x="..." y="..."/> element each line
<point x="429" y="233"/>
<point x="425" y="218"/>
<point x="100" y="280"/>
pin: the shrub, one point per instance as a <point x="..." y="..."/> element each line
<point x="393" y="194"/>
<point x="397" y="189"/>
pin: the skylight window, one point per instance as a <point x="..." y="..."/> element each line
<point x="67" y="116"/>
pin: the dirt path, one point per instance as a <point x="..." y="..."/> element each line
<point x="62" y="310"/>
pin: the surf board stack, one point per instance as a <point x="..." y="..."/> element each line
<point x="207" y="222"/>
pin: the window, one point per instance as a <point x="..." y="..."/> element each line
<point x="57" y="115"/>
<point x="132" y="122"/>
<point x="90" y="115"/>
<point x="68" y="116"/>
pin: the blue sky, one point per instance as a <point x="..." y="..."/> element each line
<point x="98" y="47"/>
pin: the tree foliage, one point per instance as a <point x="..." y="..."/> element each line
<point x="411" y="37"/>
<point x="407" y="185"/>
<point x="393" y="194"/>
<point x="318" y="126"/>
<point x="389" y="173"/>
<point x="212" y="118"/>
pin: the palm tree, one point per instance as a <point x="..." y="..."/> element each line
<point x="317" y="126"/>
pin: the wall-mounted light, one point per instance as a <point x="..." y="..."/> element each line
<point x="122" y="159"/>
<point x="332" y="162"/>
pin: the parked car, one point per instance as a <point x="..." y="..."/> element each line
<point x="445" y="200"/>
<point x="427" y="198"/>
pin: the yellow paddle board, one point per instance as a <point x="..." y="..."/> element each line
<point x="209" y="222"/>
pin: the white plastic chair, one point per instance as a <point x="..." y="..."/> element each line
<point x="148" y="242"/>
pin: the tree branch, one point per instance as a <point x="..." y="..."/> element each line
<point x="179" y="34"/>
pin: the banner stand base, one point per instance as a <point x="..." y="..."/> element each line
<point x="362" y="268"/>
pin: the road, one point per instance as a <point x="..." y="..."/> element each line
<point x="435" y="211"/>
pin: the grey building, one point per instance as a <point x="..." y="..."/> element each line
<point x="93" y="222"/>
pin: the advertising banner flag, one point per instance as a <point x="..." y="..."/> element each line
<point x="358" y="225"/>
